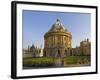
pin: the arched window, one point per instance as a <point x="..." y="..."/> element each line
<point x="58" y="54"/>
<point x="44" y="53"/>
<point x="65" y="52"/>
<point x="71" y="53"/>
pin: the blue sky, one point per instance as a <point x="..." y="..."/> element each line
<point x="37" y="23"/>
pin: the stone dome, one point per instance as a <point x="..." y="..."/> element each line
<point x="58" y="26"/>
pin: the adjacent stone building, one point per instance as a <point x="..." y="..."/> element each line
<point x="84" y="49"/>
<point x="76" y="51"/>
<point x="57" y="41"/>
<point x="32" y="51"/>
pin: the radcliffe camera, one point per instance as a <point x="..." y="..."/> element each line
<point x="52" y="40"/>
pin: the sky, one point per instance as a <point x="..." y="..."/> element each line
<point x="36" y="23"/>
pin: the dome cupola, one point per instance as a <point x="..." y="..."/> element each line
<point x="57" y="26"/>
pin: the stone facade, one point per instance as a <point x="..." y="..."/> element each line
<point x="76" y="51"/>
<point x="57" y="41"/>
<point x="84" y="48"/>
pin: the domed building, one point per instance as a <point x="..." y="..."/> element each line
<point x="57" y="41"/>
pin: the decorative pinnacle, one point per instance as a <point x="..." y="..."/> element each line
<point x="58" y="20"/>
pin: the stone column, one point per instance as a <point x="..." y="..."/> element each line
<point x="62" y="40"/>
<point x="53" y="40"/>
